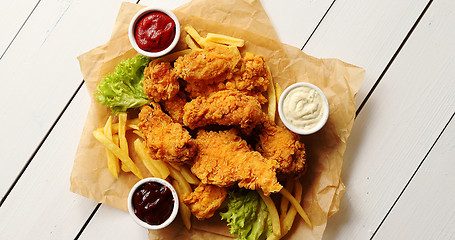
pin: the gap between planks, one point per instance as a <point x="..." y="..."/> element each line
<point x="412" y="176"/>
<point x="12" y="40"/>
<point x="40" y="144"/>
<point x="309" y="38"/>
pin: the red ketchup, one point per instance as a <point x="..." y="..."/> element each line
<point x="154" y="32"/>
<point x="153" y="203"/>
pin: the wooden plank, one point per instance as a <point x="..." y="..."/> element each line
<point x="295" y="20"/>
<point x="426" y="209"/>
<point x="116" y="224"/>
<point x="40" y="73"/>
<point x="41" y="206"/>
<point x="398" y="126"/>
<point x="364" y="33"/>
<point x="14" y="15"/>
<point x="293" y="28"/>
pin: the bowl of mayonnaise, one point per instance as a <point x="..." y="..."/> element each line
<point x="303" y="108"/>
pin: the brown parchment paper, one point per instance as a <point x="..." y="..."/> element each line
<point x="245" y="19"/>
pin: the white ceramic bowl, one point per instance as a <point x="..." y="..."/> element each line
<point x="174" y="210"/>
<point x="142" y="13"/>
<point x="296" y="129"/>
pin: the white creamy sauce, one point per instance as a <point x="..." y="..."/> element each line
<point x="304" y="107"/>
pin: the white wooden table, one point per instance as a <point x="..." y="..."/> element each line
<point x="399" y="165"/>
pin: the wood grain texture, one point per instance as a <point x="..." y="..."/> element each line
<point x="41" y="206"/>
<point x="295" y="20"/>
<point x="14" y="16"/>
<point x="397" y="127"/>
<point x="364" y="33"/>
<point x="40" y="73"/>
<point x="426" y="208"/>
<point x="391" y="136"/>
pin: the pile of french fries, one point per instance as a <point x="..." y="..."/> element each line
<point x="113" y="137"/>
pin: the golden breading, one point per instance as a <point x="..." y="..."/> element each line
<point x="160" y="81"/>
<point x="215" y="63"/>
<point x="174" y="107"/>
<point x="283" y="146"/>
<point x="165" y="139"/>
<point x="225" y="159"/>
<point x="227" y="107"/>
<point x="253" y="76"/>
<point x="205" y="200"/>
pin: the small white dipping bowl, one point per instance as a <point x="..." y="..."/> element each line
<point x="144" y="12"/>
<point x="296" y="129"/>
<point x="143" y="223"/>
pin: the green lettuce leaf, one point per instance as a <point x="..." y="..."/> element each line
<point x="247" y="215"/>
<point x="122" y="89"/>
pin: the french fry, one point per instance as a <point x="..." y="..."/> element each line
<point x="273" y="237"/>
<point x="139" y="134"/>
<point x="278" y="91"/>
<point x="273" y="213"/>
<point x="145" y="157"/>
<point x="130" y="124"/>
<point x="297" y="206"/>
<point x="284" y="204"/>
<point x="124" y="157"/>
<point x="189" y="176"/>
<point x="288" y="220"/>
<point x="190" y="42"/>
<point x="122" y="132"/>
<point x="184" y="209"/>
<point x="123" y="143"/>
<point x="112" y="161"/>
<point x="223" y="39"/>
<point x="174" y="165"/>
<point x="271" y="108"/>
<point x="195" y="35"/>
<point x="159" y="165"/>
<point x="179" y="177"/>
<point x="162" y="168"/>
<point x="173" y="56"/>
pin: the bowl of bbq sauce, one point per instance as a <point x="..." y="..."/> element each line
<point x="154" y="32"/>
<point x="153" y="203"/>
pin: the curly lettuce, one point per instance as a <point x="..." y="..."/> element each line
<point x="122" y="89"/>
<point x="247" y="215"/>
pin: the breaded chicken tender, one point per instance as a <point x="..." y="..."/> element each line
<point x="174" y="107"/>
<point x="165" y="139"/>
<point x="214" y="63"/>
<point x="228" y="107"/>
<point x="161" y="82"/>
<point x="205" y="200"/>
<point x="283" y="146"/>
<point x="253" y="76"/>
<point x="225" y="159"/>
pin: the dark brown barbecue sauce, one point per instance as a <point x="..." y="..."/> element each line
<point x="153" y="203"/>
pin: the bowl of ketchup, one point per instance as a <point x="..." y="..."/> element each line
<point x="153" y="203"/>
<point x="154" y="32"/>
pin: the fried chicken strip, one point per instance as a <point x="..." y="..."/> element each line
<point x="174" y="107"/>
<point x="224" y="159"/>
<point x="205" y="200"/>
<point x="228" y="107"/>
<point x="283" y="146"/>
<point x="252" y="78"/>
<point x="160" y="81"/>
<point x="214" y="63"/>
<point x="165" y="139"/>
